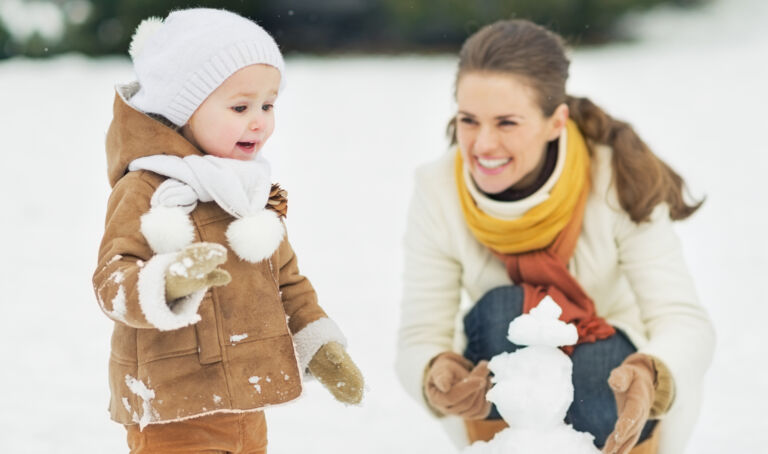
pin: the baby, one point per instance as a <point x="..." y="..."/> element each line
<point x="213" y="321"/>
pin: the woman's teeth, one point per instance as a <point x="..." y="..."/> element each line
<point x="493" y="163"/>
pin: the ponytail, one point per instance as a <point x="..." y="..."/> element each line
<point x="642" y="179"/>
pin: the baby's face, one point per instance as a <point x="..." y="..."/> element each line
<point x="238" y="117"/>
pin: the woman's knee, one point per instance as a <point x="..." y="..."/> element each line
<point x="499" y="303"/>
<point x="597" y="415"/>
<point x="594" y="407"/>
<point x="487" y="323"/>
<point x="594" y="413"/>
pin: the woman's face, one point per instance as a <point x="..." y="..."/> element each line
<point x="502" y="131"/>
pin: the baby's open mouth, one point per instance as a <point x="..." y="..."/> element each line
<point x="246" y="146"/>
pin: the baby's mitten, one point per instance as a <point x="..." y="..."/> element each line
<point x="333" y="367"/>
<point x="196" y="268"/>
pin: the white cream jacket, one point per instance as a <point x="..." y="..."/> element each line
<point x="635" y="273"/>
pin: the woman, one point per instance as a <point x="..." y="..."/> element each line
<point x="548" y="195"/>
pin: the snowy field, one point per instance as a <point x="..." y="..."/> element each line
<point x="350" y="132"/>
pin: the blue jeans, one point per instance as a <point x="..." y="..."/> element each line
<point x="594" y="408"/>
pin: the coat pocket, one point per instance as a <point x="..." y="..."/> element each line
<point x="209" y="349"/>
<point x="153" y="344"/>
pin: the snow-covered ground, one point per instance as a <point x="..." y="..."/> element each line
<point x="350" y="132"/>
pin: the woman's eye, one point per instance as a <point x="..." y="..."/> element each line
<point x="467" y="120"/>
<point x="239" y="109"/>
<point x="507" y="123"/>
<point x="267" y="107"/>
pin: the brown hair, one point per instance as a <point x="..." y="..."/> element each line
<point x="524" y="49"/>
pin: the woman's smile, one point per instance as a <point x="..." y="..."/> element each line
<point x="491" y="166"/>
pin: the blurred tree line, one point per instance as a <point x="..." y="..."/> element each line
<point x="99" y="27"/>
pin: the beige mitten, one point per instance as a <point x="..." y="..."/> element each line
<point x="455" y="386"/>
<point x="643" y="388"/>
<point x="333" y="367"/>
<point x="196" y="268"/>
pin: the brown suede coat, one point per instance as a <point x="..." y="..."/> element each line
<point x="159" y="376"/>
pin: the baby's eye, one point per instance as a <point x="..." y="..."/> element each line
<point x="267" y="107"/>
<point x="239" y="109"/>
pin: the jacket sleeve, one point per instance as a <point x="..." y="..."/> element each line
<point x="431" y="288"/>
<point x="129" y="280"/>
<point x="678" y="328"/>
<point x="310" y="326"/>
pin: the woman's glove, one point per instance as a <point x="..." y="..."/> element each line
<point x="643" y="388"/>
<point x="195" y="268"/>
<point x="452" y="386"/>
<point x="333" y="367"/>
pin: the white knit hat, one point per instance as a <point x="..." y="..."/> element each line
<point x="180" y="61"/>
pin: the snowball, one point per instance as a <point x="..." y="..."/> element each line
<point x="562" y="440"/>
<point x="542" y="327"/>
<point x="532" y="386"/>
<point x="533" y="389"/>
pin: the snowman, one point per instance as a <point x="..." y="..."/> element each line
<point x="533" y="389"/>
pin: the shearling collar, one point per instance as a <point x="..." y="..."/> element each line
<point x="133" y="134"/>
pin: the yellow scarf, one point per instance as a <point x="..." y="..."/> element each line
<point x="539" y="226"/>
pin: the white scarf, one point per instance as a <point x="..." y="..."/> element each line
<point x="241" y="188"/>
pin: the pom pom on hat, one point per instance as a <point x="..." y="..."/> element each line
<point x="181" y="60"/>
<point x="146" y="29"/>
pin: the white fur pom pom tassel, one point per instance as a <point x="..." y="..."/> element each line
<point x="167" y="229"/>
<point x="256" y="237"/>
<point x="144" y="31"/>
